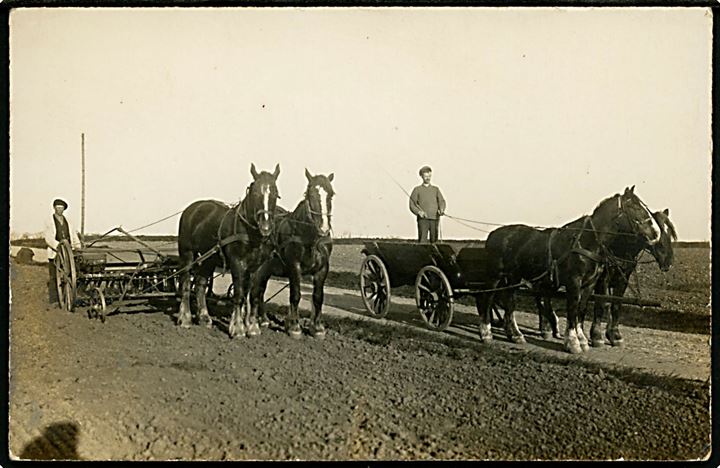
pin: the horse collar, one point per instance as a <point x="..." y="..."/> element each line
<point x="241" y="212"/>
<point x="579" y="249"/>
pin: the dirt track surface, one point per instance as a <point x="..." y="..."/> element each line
<point x="140" y="388"/>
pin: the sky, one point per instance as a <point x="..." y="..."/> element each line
<point x="526" y="115"/>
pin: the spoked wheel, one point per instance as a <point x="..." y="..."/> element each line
<point x="375" y="286"/>
<point x="434" y="299"/>
<point x="65" y="276"/>
<point x="98" y="307"/>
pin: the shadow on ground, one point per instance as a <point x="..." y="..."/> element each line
<point x="58" y="441"/>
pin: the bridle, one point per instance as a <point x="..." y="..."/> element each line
<point x="312" y="212"/>
<point x="635" y="223"/>
<point x="241" y="211"/>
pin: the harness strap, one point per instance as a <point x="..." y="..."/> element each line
<point x="552" y="263"/>
<point x="579" y="249"/>
<point x="296" y="239"/>
<point x="238" y="236"/>
<point x="586" y="253"/>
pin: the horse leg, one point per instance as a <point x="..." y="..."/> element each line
<point x="484" y="305"/>
<point x="258" y="286"/>
<point x="599" y="307"/>
<point x="552" y="317"/>
<point x="511" y="328"/>
<point x="237" y="328"/>
<point x="210" y="283"/>
<point x="582" y="339"/>
<point x="318" y="296"/>
<point x="200" y="297"/>
<point x="252" y="328"/>
<point x="613" y="327"/>
<point x="500" y="320"/>
<point x="292" y="321"/>
<point x="572" y="343"/>
<point x="184" y="318"/>
<point x="544" y="320"/>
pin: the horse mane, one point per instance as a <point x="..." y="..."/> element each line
<point x="280" y="211"/>
<point x="664" y="219"/>
<point x="604" y="201"/>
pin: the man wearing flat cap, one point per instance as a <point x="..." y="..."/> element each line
<point x="57" y="229"/>
<point x="427" y="204"/>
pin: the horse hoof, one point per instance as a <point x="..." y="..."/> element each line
<point x="184" y="323"/>
<point x="295" y="334"/>
<point x="253" y="330"/>
<point x="619" y="343"/>
<point x="573" y="348"/>
<point x="585" y="347"/>
<point x="598" y="343"/>
<point x="486" y="338"/>
<point x="264" y="322"/>
<point x="547" y="335"/>
<point x="518" y="339"/>
<point x="236" y="332"/>
<point x="206" y="322"/>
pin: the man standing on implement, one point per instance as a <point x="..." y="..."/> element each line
<point x="57" y="229"/>
<point x="427" y="204"/>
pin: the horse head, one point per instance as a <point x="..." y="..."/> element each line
<point x="663" y="249"/>
<point x="261" y="199"/>
<point x="319" y="194"/>
<point x="637" y="218"/>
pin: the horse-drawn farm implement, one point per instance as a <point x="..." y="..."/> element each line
<point x="103" y="278"/>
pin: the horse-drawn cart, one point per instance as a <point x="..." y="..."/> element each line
<point x="439" y="273"/>
<point x="103" y="278"/>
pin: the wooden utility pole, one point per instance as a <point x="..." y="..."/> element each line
<point x="82" y="202"/>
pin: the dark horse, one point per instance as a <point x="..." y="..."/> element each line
<point x="242" y="234"/>
<point x="615" y="278"/>
<point x="303" y="247"/>
<point x="571" y="256"/>
<point x="621" y="259"/>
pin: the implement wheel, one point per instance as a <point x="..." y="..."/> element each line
<point x="375" y="286"/>
<point x="98" y="306"/>
<point x="434" y="298"/>
<point x="65" y="276"/>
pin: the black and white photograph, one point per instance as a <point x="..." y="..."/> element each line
<point x="360" y="233"/>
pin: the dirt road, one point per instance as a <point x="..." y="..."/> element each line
<point x="140" y="388"/>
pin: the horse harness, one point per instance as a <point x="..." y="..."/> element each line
<point x="235" y="236"/>
<point x="320" y="243"/>
<point x="576" y="248"/>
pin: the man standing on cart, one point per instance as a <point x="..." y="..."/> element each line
<point x="57" y="229"/>
<point x="427" y="204"/>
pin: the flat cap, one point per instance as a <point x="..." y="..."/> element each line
<point x="59" y="202"/>
<point x="425" y="169"/>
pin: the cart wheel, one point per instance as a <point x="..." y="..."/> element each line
<point x="434" y="297"/>
<point x="375" y="286"/>
<point x="65" y="276"/>
<point x="98" y="307"/>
